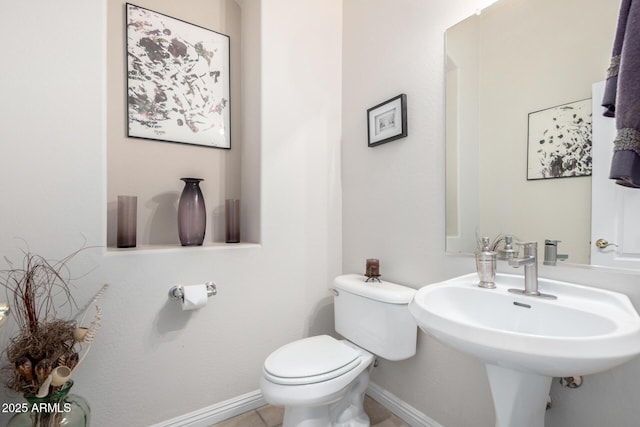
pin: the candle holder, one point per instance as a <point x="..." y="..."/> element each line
<point x="372" y="270"/>
<point x="232" y="220"/>
<point x="127" y="221"/>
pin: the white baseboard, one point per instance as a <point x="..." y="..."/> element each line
<point x="218" y="412"/>
<point x="402" y="409"/>
<point x="221" y="411"/>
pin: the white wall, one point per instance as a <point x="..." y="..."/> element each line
<point x="151" y="361"/>
<point x="393" y="203"/>
<point x="393" y="209"/>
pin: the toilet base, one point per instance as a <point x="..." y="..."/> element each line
<point x="346" y="412"/>
<point x="349" y="412"/>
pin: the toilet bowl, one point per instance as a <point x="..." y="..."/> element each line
<point x="321" y="381"/>
<point x="308" y="377"/>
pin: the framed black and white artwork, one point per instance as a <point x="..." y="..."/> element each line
<point x="559" y="141"/>
<point x="177" y="80"/>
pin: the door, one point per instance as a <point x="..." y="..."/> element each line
<point x="615" y="209"/>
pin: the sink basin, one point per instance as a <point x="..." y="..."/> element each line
<point x="524" y="340"/>
<point x="586" y="330"/>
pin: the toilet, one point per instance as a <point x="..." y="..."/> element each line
<point x="320" y="380"/>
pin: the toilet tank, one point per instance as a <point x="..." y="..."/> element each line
<point x="375" y="316"/>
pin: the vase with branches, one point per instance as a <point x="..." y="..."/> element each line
<point x="43" y="356"/>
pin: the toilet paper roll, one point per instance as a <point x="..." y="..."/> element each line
<point x="195" y="296"/>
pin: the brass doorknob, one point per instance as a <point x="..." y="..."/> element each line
<point x="603" y="243"/>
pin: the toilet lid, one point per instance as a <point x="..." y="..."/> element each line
<point x="310" y="360"/>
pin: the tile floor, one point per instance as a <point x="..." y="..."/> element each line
<point x="271" y="416"/>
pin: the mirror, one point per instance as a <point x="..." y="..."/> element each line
<point x="515" y="58"/>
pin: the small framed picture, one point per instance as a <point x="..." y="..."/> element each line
<point x="387" y="121"/>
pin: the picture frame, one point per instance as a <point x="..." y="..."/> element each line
<point x="387" y="121"/>
<point x="559" y="141"/>
<point x="178" y="87"/>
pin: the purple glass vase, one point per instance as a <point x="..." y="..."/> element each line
<point x="192" y="215"/>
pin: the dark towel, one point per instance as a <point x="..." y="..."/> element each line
<point x="622" y="96"/>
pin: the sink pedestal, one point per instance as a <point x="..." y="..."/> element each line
<point x="519" y="398"/>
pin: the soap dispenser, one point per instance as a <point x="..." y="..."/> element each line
<point x="507" y="252"/>
<point x="486" y="265"/>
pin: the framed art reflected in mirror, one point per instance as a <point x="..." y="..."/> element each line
<point x="559" y="142"/>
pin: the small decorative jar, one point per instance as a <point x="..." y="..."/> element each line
<point x="58" y="409"/>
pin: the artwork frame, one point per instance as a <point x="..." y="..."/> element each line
<point x="559" y="141"/>
<point x="178" y="80"/>
<point x="387" y="121"/>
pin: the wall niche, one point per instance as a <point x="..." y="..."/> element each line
<point x="151" y="169"/>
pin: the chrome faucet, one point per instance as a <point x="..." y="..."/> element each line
<point x="551" y="255"/>
<point x="530" y="262"/>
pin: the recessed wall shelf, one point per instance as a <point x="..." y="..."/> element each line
<point x="151" y="170"/>
<point x="140" y="249"/>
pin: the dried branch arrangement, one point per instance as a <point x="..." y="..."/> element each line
<point x="45" y="352"/>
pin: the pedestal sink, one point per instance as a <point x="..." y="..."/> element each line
<point x="525" y="341"/>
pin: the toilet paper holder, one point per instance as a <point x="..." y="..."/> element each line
<point x="177" y="292"/>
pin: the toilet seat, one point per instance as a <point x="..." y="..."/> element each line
<point x="310" y="360"/>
